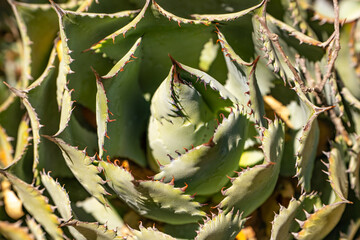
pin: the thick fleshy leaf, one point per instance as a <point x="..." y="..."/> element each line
<point x="345" y="63"/>
<point x="307" y="139"/>
<point x="78" y="32"/>
<point x="92" y="231"/>
<point x="34" y="120"/>
<point x="58" y="195"/>
<point x="81" y="166"/>
<point x="35" y="228"/>
<point x="23" y="138"/>
<point x="354" y="168"/>
<point x="323" y="220"/>
<point x="6" y="149"/>
<point x="185" y="105"/>
<point x="103" y="214"/>
<point x="14" y="231"/>
<point x="102" y="114"/>
<point x="205" y="167"/>
<point x="38" y="28"/>
<point x="187" y="34"/>
<point x="242" y="82"/>
<point x="254" y="185"/>
<point x="66" y="110"/>
<point x="150" y="233"/>
<point x="221" y="226"/>
<point x="37" y="205"/>
<point x="127" y="107"/>
<point x="284" y="222"/>
<point x="154" y="199"/>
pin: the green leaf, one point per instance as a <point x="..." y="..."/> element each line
<point x="35" y="228"/>
<point x="254" y="185"/>
<point x="205" y="167"/>
<point x="92" y="231"/>
<point x="37" y="205"/>
<point x="129" y="111"/>
<point x="66" y="110"/>
<point x="221" y="226"/>
<point x="153" y="199"/>
<point x="81" y="166"/>
<point x="150" y="233"/>
<point x="14" y="231"/>
<point x="159" y="36"/>
<point x="78" y="32"/>
<point x="104" y="214"/>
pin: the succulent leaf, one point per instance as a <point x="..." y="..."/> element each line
<point x="78" y="32"/>
<point x="242" y="82"/>
<point x="35" y="228"/>
<point x="22" y="139"/>
<point x="6" y="149"/>
<point x="102" y="114"/>
<point x="151" y="198"/>
<point x="284" y="222"/>
<point x="308" y="137"/>
<point x="103" y="214"/>
<point x="229" y="16"/>
<point x="14" y="231"/>
<point x="150" y="233"/>
<point x="66" y="110"/>
<point x="185" y="105"/>
<point x="37" y="205"/>
<point x="221" y="226"/>
<point x="323" y="220"/>
<point x="81" y="166"/>
<point x="93" y="231"/>
<point x="354" y="168"/>
<point x="205" y="167"/>
<point x="178" y="30"/>
<point x="128" y="108"/>
<point x="58" y="195"/>
<point x="254" y="185"/>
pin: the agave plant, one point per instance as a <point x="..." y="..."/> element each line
<point x="187" y="117"/>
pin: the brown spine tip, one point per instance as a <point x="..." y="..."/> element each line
<point x="184" y="188"/>
<point x="210" y="143"/>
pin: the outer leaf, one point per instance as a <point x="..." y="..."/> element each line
<point x="354" y="168"/>
<point x="22" y="139"/>
<point x="35" y="228"/>
<point x="66" y="110"/>
<point x="242" y="82"/>
<point x="345" y="64"/>
<point x="323" y="220"/>
<point x="92" y="231"/>
<point x="154" y="199"/>
<point x="128" y="108"/>
<point x="320" y="223"/>
<point x="37" y="205"/>
<point x="78" y="32"/>
<point x="150" y="233"/>
<point x="38" y="28"/>
<point x="308" y="139"/>
<point x="221" y="226"/>
<point x="103" y="214"/>
<point x="102" y="115"/>
<point x="6" y="149"/>
<point x="14" y="231"/>
<point x="254" y="185"/>
<point x="284" y="222"/>
<point x="157" y="46"/>
<point x="58" y="195"/>
<point x="34" y="120"/>
<point x="227" y="17"/>
<point x="81" y="166"/>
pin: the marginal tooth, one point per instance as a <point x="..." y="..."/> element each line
<point x="301" y="223"/>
